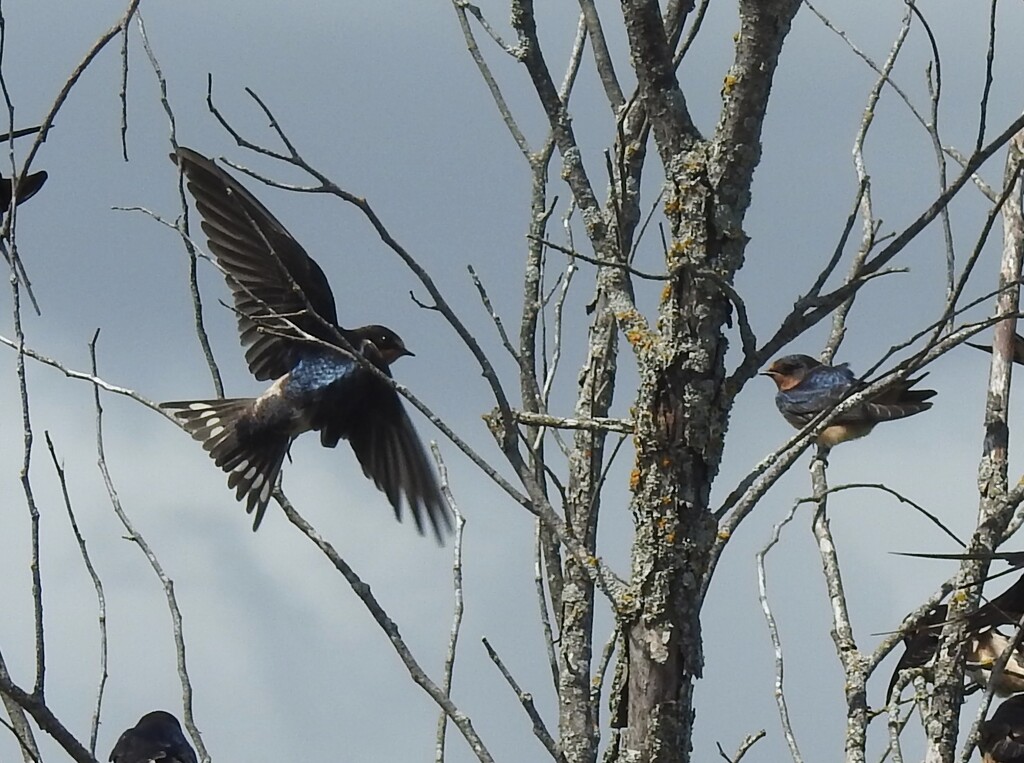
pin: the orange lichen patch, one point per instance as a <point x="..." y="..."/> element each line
<point x="642" y="341"/>
<point x="666" y="462"/>
<point x="670" y="538"/>
<point x="729" y="83"/>
<point x="634" y="479"/>
<point x="666" y="293"/>
<point x="724" y="535"/>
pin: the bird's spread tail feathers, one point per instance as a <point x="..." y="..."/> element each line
<point x="251" y="458"/>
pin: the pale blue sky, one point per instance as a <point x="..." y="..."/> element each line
<point x="286" y="664"/>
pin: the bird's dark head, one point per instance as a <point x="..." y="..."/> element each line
<point x="158" y="719"/>
<point x="790" y="370"/>
<point x="388" y="343"/>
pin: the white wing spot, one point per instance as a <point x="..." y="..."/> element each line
<point x="249" y="474"/>
<point x="215" y="431"/>
<point x="199" y="406"/>
<point x="265" y="492"/>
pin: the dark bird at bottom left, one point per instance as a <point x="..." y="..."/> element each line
<point x="156" y="738"/>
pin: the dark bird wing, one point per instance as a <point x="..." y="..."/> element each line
<point x="827" y="386"/>
<point x="919" y="645"/>
<point x="1005" y="609"/>
<point x="262" y="261"/>
<point x="374" y="421"/>
<point x="1018" y="348"/>
<point x="822" y="388"/>
<point x="1013" y="558"/>
<point x="896" y="402"/>
<point x="28" y="188"/>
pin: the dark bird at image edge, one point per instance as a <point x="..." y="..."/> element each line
<point x="29" y="185"/>
<point x="27" y="188"/>
<point x="157" y="737"/>
<point x="1001" y="737"/>
<point x="808" y="388"/>
<point x="316" y="385"/>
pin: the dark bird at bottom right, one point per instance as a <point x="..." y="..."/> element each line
<point x="1001" y="737"/>
<point x="157" y="737"/>
<point x="808" y="388"/>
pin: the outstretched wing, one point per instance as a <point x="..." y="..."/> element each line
<point x="273" y="281"/>
<point x="368" y="412"/>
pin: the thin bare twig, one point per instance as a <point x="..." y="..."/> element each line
<point x="182" y="225"/>
<point x="381" y="617"/>
<point x="526" y="700"/>
<point x="773" y="632"/>
<point x="168" y="585"/>
<point x="458" y="606"/>
<point x="101" y="601"/>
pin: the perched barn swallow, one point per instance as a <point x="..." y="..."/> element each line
<point x="322" y="373"/>
<point x="984" y="641"/>
<point x="1001" y="737"/>
<point x="808" y="388"/>
<point x="984" y="646"/>
<point x="156" y="738"/>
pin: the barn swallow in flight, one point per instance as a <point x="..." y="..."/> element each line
<point x="156" y="738"/>
<point x="29" y="184"/>
<point x="323" y="375"/>
<point x="808" y="388"/>
<point x="1001" y="737"/>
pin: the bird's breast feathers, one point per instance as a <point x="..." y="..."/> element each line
<point x="315" y="372"/>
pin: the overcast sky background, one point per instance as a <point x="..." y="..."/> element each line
<point x="382" y="97"/>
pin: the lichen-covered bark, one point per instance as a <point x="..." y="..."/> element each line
<point x="682" y="406"/>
